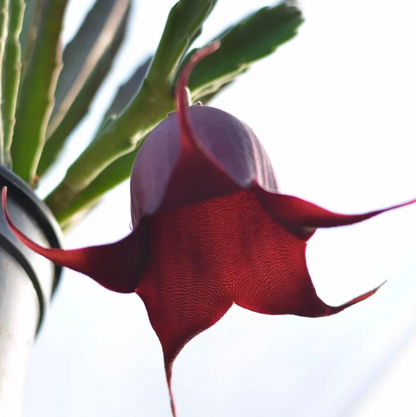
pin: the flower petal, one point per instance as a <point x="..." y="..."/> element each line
<point x="302" y="217"/>
<point x="115" y="266"/>
<point x="205" y="256"/>
<point x="173" y="168"/>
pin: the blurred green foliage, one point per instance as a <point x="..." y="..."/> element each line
<point x="46" y="93"/>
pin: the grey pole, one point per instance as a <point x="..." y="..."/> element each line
<point x="27" y="282"/>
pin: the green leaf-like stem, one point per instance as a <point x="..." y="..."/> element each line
<point x="183" y="25"/>
<point x="11" y="72"/>
<point x="83" y="53"/>
<point x="27" y="38"/>
<point x="252" y="39"/>
<point x="109" y="178"/>
<point x="82" y="102"/>
<point x="153" y="102"/>
<point x="4" y="17"/>
<point x="127" y="91"/>
<point x="35" y="98"/>
<point x="257" y="36"/>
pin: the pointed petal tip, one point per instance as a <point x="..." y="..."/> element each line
<point x="53" y="254"/>
<point x="168" y="371"/>
<point x="407" y="203"/>
<point x="49" y="253"/>
<point x="302" y="217"/>
<point x="4" y="198"/>
<point x="115" y="266"/>
<point x="356" y="300"/>
<point x="203" y="52"/>
<point x="183" y="80"/>
<point x="32" y="245"/>
<point x="189" y="140"/>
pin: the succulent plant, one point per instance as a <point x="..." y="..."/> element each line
<point x="46" y="93"/>
<point x="198" y="175"/>
<point x="210" y="229"/>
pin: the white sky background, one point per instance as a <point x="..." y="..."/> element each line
<point x="335" y="108"/>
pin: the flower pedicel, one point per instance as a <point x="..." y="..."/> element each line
<point x="209" y="229"/>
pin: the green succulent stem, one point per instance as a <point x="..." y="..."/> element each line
<point x="247" y="41"/>
<point x="109" y="178"/>
<point x="11" y="73"/>
<point x="116" y="139"/>
<point x="148" y="108"/>
<point x="80" y="106"/>
<point x="31" y="19"/>
<point x="183" y="25"/>
<point x="36" y="95"/>
<point x="84" y="52"/>
<point x="4" y="17"/>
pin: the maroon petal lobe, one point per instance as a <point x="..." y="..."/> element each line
<point x="115" y="266"/>
<point x="190" y="143"/>
<point x="175" y="170"/>
<point x="181" y="284"/>
<point x="302" y="217"/>
<point x="272" y="273"/>
<point x="210" y="229"/>
<point x="195" y="155"/>
<point x="224" y="250"/>
<point x="222" y="237"/>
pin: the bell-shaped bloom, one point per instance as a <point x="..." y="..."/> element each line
<point x="210" y="229"/>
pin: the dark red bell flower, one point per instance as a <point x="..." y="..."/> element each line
<point x="209" y="229"/>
